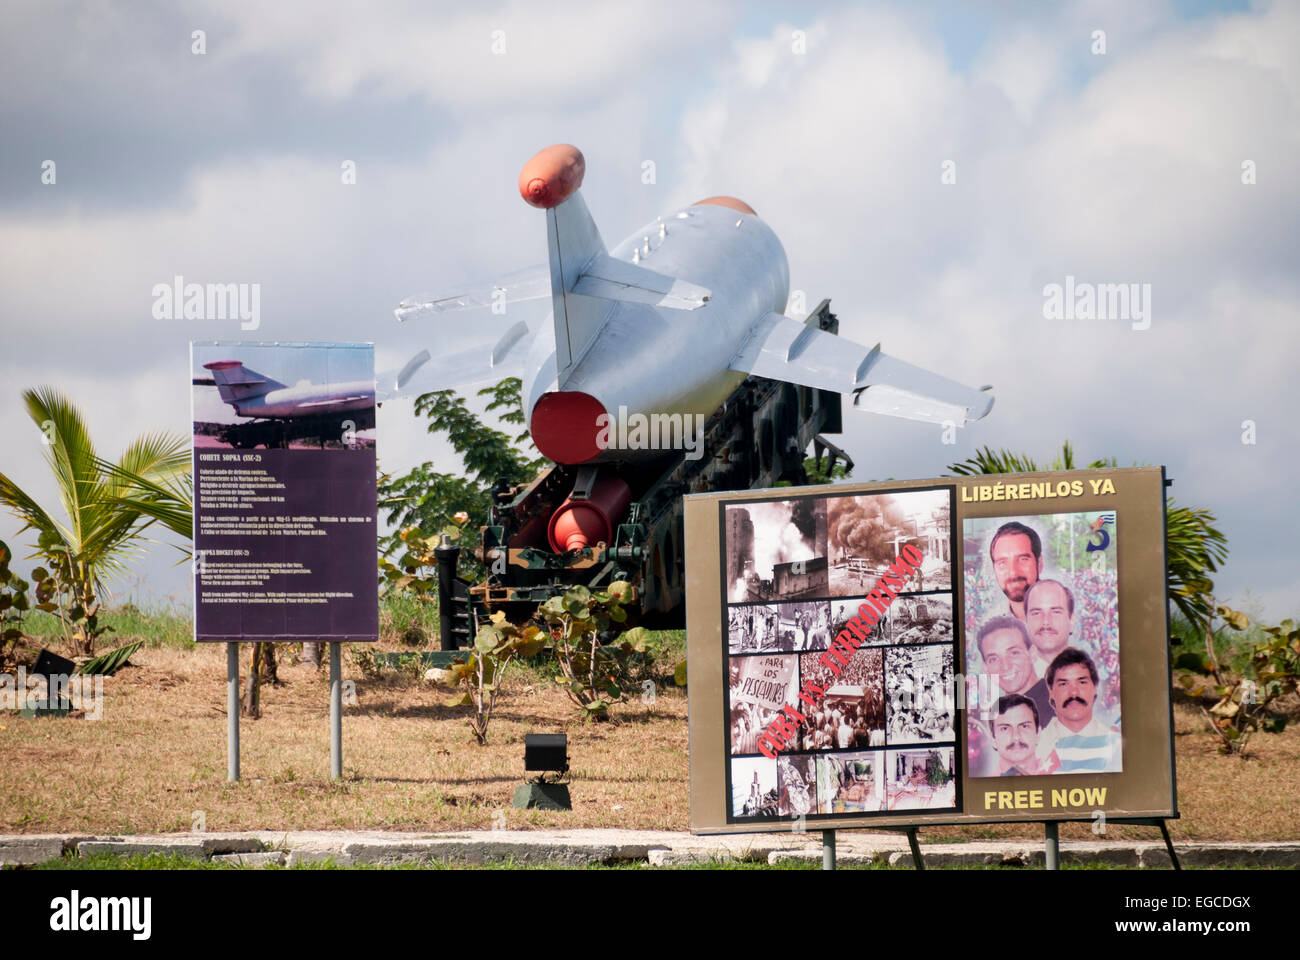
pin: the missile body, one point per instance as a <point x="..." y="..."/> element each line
<point x="650" y="360"/>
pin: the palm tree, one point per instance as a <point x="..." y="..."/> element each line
<point x="1195" y="546"/>
<point x="104" y="515"/>
<point x="165" y="493"/>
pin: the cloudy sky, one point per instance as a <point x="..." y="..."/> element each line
<point x="1118" y="156"/>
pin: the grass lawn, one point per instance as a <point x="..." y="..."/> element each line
<point x="157" y="758"/>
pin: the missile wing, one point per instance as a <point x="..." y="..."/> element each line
<point x="782" y="348"/>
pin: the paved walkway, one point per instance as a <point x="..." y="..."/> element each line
<point x="577" y="847"/>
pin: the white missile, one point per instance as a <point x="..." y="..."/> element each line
<point x="253" y="394"/>
<point x="664" y="325"/>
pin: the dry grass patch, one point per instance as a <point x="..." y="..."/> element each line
<point x="158" y="755"/>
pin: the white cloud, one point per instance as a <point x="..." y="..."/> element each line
<point x="1124" y="168"/>
<point x="553" y="57"/>
<point x="1131" y="174"/>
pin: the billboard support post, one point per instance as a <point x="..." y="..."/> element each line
<point x="916" y="849"/>
<point x="336" y="712"/>
<point x="1052" y="838"/>
<point x="828" y="849"/>
<point x="1169" y="844"/>
<point x="232" y="712"/>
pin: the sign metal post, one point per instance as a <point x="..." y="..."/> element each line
<point x="336" y="712"/>
<point x="232" y="712"/>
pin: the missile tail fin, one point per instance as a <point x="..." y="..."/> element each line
<point x="573" y="243"/>
<point x="236" y="382"/>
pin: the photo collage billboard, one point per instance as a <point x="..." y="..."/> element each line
<point x="929" y="651"/>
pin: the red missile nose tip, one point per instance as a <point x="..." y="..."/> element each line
<point x="552" y="176"/>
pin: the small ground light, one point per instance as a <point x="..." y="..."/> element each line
<point x="544" y="753"/>
<point x="55" y="670"/>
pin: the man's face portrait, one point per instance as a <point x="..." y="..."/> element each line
<point x="1016" y="734"/>
<point x="1072" y="694"/>
<point x="1047" y="615"/>
<point x="1015" y="565"/>
<point x="1006" y="655"/>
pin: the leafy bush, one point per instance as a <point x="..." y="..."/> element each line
<point x="431" y="501"/>
<point x="1248" y="696"/>
<point x="480" y="674"/>
<point x="594" y="675"/>
<point x="14" y="605"/>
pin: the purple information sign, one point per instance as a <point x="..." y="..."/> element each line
<point x="284" y="492"/>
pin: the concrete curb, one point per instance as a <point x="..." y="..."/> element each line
<point x="587" y="847"/>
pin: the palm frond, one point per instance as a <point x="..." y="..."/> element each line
<point x="70" y="454"/>
<point x="987" y="460"/>
<point x="156" y="456"/>
<point x="164" y="494"/>
<point x="28" y="510"/>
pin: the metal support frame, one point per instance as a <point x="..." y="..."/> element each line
<point x="232" y="712"/>
<point x="916" y="848"/>
<point x="1163" y="824"/>
<point x="913" y="843"/>
<point x="1051" y="837"/>
<point x="336" y="711"/>
<point x="447" y="556"/>
<point x="828" y="849"/>
<point x="1051" y="828"/>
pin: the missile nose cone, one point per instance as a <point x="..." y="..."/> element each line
<point x="551" y="177"/>
<point x="584" y="523"/>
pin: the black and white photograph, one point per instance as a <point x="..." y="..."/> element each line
<point x="788" y="627"/>
<point x="760" y="686"/>
<point x="754" y="787"/>
<point x="924" y="618"/>
<point x="753" y="628"/>
<point x="865" y="535"/>
<point x="920" y="702"/>
<point x="851" y="712"/>
<point x="796" y="779"/>
<point x="776" y="550"/>
<point x="851" y="783"/>
<point x="921" y="779"/>
<point x="844" y="610"/>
